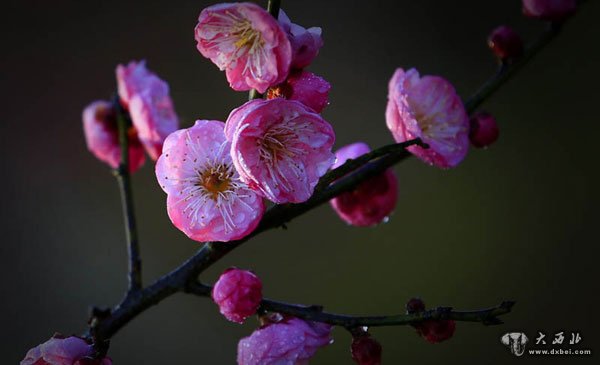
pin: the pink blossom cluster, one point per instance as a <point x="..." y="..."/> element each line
<point x="146" y="98"/>
<point x="217" y="175"/>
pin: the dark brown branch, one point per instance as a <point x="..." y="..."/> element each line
<point x="487" y="316"/>
<point x="277" y="216"/>
<point x="343" y="179"/>
<point x="123" y="178"/>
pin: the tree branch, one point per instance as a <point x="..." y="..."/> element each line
<point x="123" y="178"/>
<point x="342" y="179"/>
<point x="315" y="313"/>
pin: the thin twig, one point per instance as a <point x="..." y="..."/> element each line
<point x="506" y="71"/>
<point x="123" y="178"/>
<point x="315" y="313"/>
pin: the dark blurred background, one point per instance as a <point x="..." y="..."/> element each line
<point x="517" y="221"/>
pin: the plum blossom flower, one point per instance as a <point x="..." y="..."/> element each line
<point x="61" y="350"/>
<point x="428" y="108"/>
<point x="289" y="342"/>
<point x="238" y="294"/>
<point x="373" y="200"/>
<point x="550" y="10"/>
<point x="102" y="136"/>
<point x="245" y="41"/>
<point x="147" y="98"/>
<point x="206" y="198"/>
<point x="280" y="148"/>
<point x="305" y="42"/>
<point x="305" y="87"/>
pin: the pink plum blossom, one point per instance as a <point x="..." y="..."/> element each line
<point x="238" y="294"/>
<point x="551" y="10"/>
<point x="373" y="200"/>
<point x="428" y="108"/>
<point x="289" y="342"/>
<point x="305" y="42"/>
<point x="306" y="87"/>
<point x="280" y="148"/>
<point x="147" y="98"/>
<point x="206" y="198"/>
<point x="247" y="42"/>
<point x="61" y="350"/>
<point x="102" y="136"/>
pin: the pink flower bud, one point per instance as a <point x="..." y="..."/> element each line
<point x="102" y="136"/>
<point x="415" y="305"/>
<point x="550" y="10"/>
<point x="238" y="294"/>
<point x="434" y="331"/>
<point x="366" y="350"/>
<point x="61" y="350"/>
<point x="505" y="43"/>
<point x="373" y="200"/>
<point x="305" y="87"/>
<point x="291" y="341"/>
<point x="305" y="42"/>
<point x="245" y="41"/>
<point x="484" y="130"/>
<point x="428" y="108"/>
<point x="280" y="148"/>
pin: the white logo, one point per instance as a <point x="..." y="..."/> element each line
<point x="515" y="341"/>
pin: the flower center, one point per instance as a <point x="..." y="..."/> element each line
<point x="276" y="144"/>
<point x="246" y="35"/>
<point x="215" y="181"/>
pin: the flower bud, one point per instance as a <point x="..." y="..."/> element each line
<point x="415" y="305"/>
<point x="366" y="350"/>
<point x="484" y="130"/>
<point x="550" y="10"/>
<point x="305" y="87"/>
<point x="434" y="331"/>
<point x="238" y="294"/>
<point x="505" y="43"/>
<point x="373" y="200"/>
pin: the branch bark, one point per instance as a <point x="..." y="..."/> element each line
<point x="124" y="180"/>
<point x="315" y="313"/>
